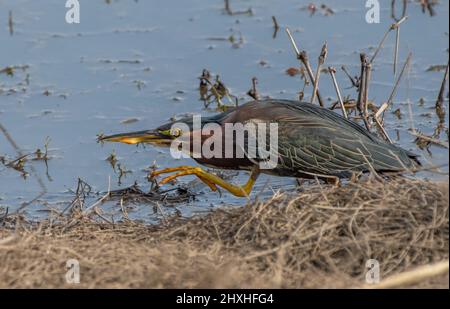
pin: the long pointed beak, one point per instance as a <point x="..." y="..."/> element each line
<point x="149" y="136"/>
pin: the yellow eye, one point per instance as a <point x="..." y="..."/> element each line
<point x="176" y="132"/>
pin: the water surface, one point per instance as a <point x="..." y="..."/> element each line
<point x="132" y="65"/>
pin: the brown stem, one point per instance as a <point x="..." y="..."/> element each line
<point x="303" y="57"/>
<point x="362" y="90"/>
<point x="321" y="61"/>
<point x="338" y="91"/>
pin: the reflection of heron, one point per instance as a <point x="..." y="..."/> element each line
<point x="312" y="142"/>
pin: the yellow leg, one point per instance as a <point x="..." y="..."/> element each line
<point x="183" y="171"/>
<point x="170" y="170"/>
<point x="210" y="179"/>
<point x="210" y="184"/>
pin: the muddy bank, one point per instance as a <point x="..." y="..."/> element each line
<point x="321" y="237"/>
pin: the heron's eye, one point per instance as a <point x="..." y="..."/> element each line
<point x="176" y="132"/>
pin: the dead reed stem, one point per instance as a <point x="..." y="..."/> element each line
<point x="276" y="27"/>
<point x="430" y="139"/>
<point x="303" y="57"/>
<point x="338" y="91"/>
<point x="397" y="36"/>
<point x="10" y="23"/>
<point x="367" y="76"/>
<point x="386" y="104"/>
<point x="440" y="99"/>
<point x="360" y="105"/>
<point x="321" y="61"/>
<point x="392" y="27"/>
<point x="382" y="130"/>
<point x="396" y="49"/>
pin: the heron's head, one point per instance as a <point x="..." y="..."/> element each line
<point x="161" y="136"/>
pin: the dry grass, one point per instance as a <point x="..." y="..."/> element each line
<point x="320" y="237"/>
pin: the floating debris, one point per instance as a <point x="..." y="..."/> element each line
<point x="129" y="120"/>
<point x="10" y="70"/>
<point x="293" y="71"/>
<point x="121" y="61"/>
<point x="112" y="159"/>
<point x="276" y="27"/>
<point x="134" y="194"/>
<point x="139" y="84"/>
<point x="398" y="113"/>
<point x="228" y="10"/>
<point x="10" y="23"/>
<point x="177" y="99"/>
<point x="437" y="68"/>
<point x="253" y="92"/>
<point x="210" y="92"/>
<point x="313" y="8"/>
<point x="123" y="172"/>
<point x="427" y="5"/>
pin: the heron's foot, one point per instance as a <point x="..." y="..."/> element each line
<point x="208" y="178"/>
<point x="182" y="171"/>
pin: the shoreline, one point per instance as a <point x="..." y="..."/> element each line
<point x="319" y="238"/>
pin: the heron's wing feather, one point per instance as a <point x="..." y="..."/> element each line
<point x="320" y="148"/>
<point x="318" y="140"/>
<point x="338" y="151"/>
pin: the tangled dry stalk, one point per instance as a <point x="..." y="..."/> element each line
<point x="321" y="237"/>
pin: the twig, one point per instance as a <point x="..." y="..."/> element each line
<point x="338" y="92"/>
<point x="361" y="95"/>
<point x="253" y="92"/>
<point x="276" y="27"/>
<point x="427" y="5"/>
<point x="124" y="211"/>
<point x="392" y="27"/>
<point x="297" y="52"/>
<point x="10" y="23"/>
<point x="382" y="130"/>
<point x="352" y="80"/>
<point x="367" y="75"/>
<point x="440" y="99"/>
<point x="321" y="61"/>
<point x="397" y="43"/>
<point x="303" y="57"/>
<point x="227" y="7"/>
<point x="404" y="8"/>
<point x="397" y="37"/>
<point x="33" y="171"/>
<point x="386" y="104"/>
<point x="398" y="23"/>
<point x="231" y="12"/>
<point x="430" y="139"/>
<point x="380" y="45"/>
<point x="162" y="212"/>
<point x="103" y="198"/>
<point x="215" y="91"/>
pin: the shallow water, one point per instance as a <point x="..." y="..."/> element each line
<point x="132" y="65"/>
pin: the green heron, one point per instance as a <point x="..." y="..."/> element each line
<point x="312" y="142"/>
